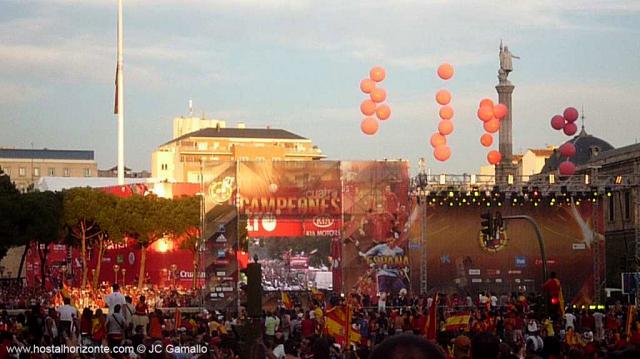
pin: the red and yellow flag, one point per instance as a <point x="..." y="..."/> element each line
<point x="338" y="324"/>
<point x="286" y="301"/>
<point x="457" y="322"/>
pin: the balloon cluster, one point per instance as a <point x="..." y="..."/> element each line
<point x="441" y="151"/>
<point x="374" y="104"/>
<point x="491" y="114"/>
<point x="567" y="123"/>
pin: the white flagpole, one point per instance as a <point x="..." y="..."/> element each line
<point x="120" y="99"/>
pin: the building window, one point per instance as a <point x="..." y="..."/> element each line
<point x="51" y="172"/>
<point x="164" y="166"/>
<point x="6" y="171"/>
<point x="36" y="172"/>
<point x="612" y="210"/>
<point x="627" y="206"/>
<point x="65" y="172"/>
<point x="22" y="171"/>
<point x="87" y="172"/>
<point x="216" y="145"/>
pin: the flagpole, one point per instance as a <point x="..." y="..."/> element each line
<point x="120" y="97"/>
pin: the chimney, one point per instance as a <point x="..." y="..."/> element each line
<point x="241" y="125"/>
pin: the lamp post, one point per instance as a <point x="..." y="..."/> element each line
<point x="116" y="268"/>
<point x="124" y="280"/>
<point x="174" y="272"/>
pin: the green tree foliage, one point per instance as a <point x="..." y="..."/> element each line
<point x="41" y="222"/>
<point x="9" y="218"/>
<point x="83" y="211"/>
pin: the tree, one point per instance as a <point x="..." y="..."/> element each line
<point x="186" y="218"/>
<point x="9" y="220"/>
<point x="146" y="219"/>
<point x="82" y="207"/>
<point x="110" y="231"/>
<point x="41" y="222"/>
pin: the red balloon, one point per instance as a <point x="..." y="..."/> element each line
<point x="377" y="74"/>
<point x="442" y="153"/>
<point x="494" y="157"/>
<point x="492" y="126"/>
<point x="368" y="107"/>
<point x="369" y="126"/>
<point x="570" y="128"/>
<point x="445" y="71"/>
<point x="367" y="85"/>
<point x="445" y="127"/>
<point x="486" y="102"/>
<point x="570" y="114"/>
<point x="500" y="110"/>
<point x="568" y="150"/>
<point x="486" y="140"/>
<point x="378" y="95"/>
<point x="443" y="97"/>
<point x="567" y="168"/>
<point x="485" y="113"/>
<point x="446" y="112"/>
<point x="557" y="122"/>
<point x="437" y="139"/>
<point x="383" y="112"/>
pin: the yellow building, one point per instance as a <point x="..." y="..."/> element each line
<point x="179" y="159"/>
<point x="528" y="164"/>
<point x="27" y="166"/>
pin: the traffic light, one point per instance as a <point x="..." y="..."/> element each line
<point x="487" y="224"/>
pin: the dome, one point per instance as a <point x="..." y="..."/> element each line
<point x="587" y="148"/>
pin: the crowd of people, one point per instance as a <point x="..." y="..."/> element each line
<point x="493" y="326"/>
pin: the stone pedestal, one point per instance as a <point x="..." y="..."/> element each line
<point x="506" y="167"/>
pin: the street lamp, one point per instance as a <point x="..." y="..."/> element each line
<point x="116" y="268"/>
<point x="124" y="280"/>
<point x="174" y="271"/>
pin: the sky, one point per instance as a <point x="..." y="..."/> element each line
<point x="297" y="64"/>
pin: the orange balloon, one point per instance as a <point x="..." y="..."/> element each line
<point x="378" y="95"/>
<point x="492" y="126"/>
<point x="485" y="113"/>
<point x="445" y="127"/>
<point x="446" y="112"/>
<point x="486" y="140"/>
<point x="369" y="126"/>
<point x="499" y="111"/>
<point x="443" y="97"/>
<point x="442" y="153"/>
<point x="445" y="71"/>
<point x="377" y="74"/>
<point x="367" y="85"/>
<point x="437" y="139"/>
<point x="368" y="107"/>
<point x="494" y="157"/>
<point x="486" y="102"/>
<point x="383" y="112"/>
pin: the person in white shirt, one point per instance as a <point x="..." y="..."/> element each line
<point x="114" y="298"/>
<point x="599" y="323"/>
<point x="68" y="315"/>
<point x="569" y="320"/>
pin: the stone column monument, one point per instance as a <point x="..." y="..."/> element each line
<point x="505" y="90"/>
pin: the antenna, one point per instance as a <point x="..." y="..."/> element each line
<point x="190" y="108"/>
<point x="582" y="116"/>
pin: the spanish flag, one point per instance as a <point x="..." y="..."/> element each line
<point x="431" y="326"/>
<point x="338" y="324"/>
<point x="286" y="301"/>
<point x="457" y="322"/>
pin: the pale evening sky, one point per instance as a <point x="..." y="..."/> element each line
<point x="297" y="65"/>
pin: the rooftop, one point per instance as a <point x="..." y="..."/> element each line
<point x="224" y="132"/>
<point x="588" y="148"/>
<point x="45" y="153"/>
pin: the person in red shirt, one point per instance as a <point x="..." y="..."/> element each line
<point x="308" y="326"/>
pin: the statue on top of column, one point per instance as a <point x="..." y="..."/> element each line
<point x="506" y="65"/>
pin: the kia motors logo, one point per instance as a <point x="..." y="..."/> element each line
<point x="323" y="221"/>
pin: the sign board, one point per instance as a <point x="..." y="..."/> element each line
<point x="630" y="282"/>
<point x="579" y="246"/>
<point x="474" y="271"/>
